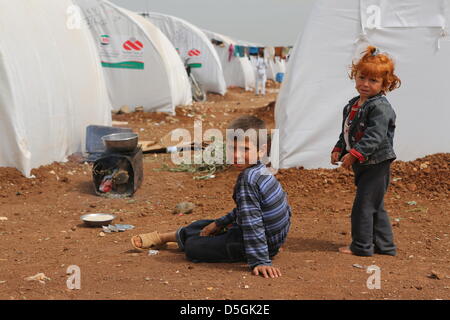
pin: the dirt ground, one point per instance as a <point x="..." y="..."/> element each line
<point x="41" y="231"/>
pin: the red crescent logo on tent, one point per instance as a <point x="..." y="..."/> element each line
<point x="136" y="45"/>
<point x="194" y="53"/>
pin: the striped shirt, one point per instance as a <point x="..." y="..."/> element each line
<point x="262" y="212"/>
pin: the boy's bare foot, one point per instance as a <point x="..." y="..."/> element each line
<point x="137" y="241"/>
<point x="345" y="250"/>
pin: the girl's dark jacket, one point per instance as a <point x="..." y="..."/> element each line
<point x="371" y="133"/>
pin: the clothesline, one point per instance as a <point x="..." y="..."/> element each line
<point x="248" y="51"/>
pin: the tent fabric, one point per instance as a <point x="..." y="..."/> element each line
<point x="141" y="66"/>
<point x="238" y="71"/>
<point x="395" y="14"/>
<point x="194" y="45"/>
<point x="275" y="67"/>
<point x="308" y="111"/>
<point x="51" y="84"/>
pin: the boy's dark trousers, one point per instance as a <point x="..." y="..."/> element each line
<point x="371" y="227"/>
<point x="227" y="246"/>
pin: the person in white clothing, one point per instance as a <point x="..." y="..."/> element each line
<point x="261" y="75"/>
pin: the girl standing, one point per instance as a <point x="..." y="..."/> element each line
<point x="366" y="145"/>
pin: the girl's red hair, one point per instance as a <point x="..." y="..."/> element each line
<point x="377" y="65"/>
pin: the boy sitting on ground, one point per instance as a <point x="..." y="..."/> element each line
<point x="253" y="231"/>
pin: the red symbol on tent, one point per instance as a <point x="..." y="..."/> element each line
<point x="194" y="53"/>
<point x="130" y="45"/>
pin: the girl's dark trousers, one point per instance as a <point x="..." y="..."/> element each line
<point x="371" y="227"/>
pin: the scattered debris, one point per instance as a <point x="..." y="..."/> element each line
<point x="124" y="109"/>
<point x="101" y="234"/>
<point x="200" y="166"/>
<point x="184" y="208"/>
<point x="412" y="203"/>
<point x="153" y="252"/>
<point x="418" y="209"/>
<point x="424" y="165"/>
<point x="358" y="266"/>
<point x="3" y="219"/>
<point x="38" y="277"/>
<point x="117" y="228"/>
<point x="119" y="123"/>
<point x="396" y="222"/>
<point x="436" y="275"/>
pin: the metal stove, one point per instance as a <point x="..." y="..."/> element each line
<point x="118" y="174"/>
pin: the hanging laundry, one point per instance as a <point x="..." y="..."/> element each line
<point x="285" y="52"/>
<point x="239" y="51"/>
<point x="247" y="51"/>
<point x="236" y="51"/>
<point x="261" y="51"/>
<point x="278" y="52"/>
<point x="253" y="51"/>
<point x="230" y="52"/>
<point x="269" y="52"/>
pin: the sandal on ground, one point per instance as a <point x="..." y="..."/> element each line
<point x="149" y="241"/>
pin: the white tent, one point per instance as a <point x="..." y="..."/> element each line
<point x="141" y="66"/>
<point x="308" y="112"/>
<point x="238" y="71"/>
<point x="192" y="43"/>
<point x="51" y="84"/>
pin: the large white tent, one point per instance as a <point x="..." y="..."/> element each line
<point x="51" y="83"/>
<point x="238" y="71"/>
<point x="141" y="66"/>
<point x="194" y="45"/>
<point x="308" y="111"/>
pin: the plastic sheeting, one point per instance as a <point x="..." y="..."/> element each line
<point x="308" y="112"/>
<point x="194" y="45"/>
<point x="141" y="66"/>
<point x="238" y="71"/>
<point x="51" y="84"/>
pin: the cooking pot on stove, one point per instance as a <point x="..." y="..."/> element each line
<point x="121" y="142"/>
